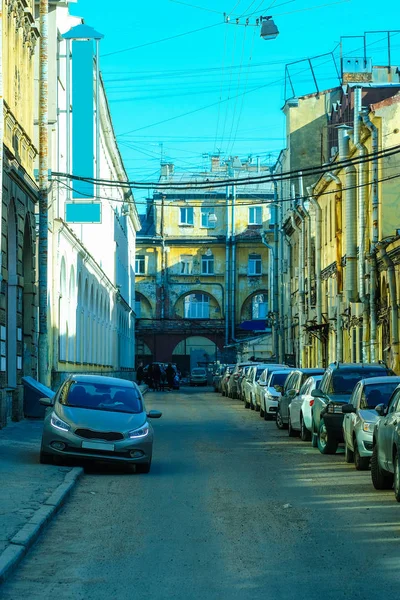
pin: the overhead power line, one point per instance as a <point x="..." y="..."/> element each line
<point x="249" y="180"/>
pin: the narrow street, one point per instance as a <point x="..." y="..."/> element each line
<point x="232" y="509"/>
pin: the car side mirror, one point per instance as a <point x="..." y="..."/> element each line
<point x="262" y="383"/>
<point x="381" y="409"/>
<point x="348" y="408"/>
<point x="292" y="393"/>
<point x="46" y="401"/>
<point x="317" y="393"/>
<point x="154" y="414"/>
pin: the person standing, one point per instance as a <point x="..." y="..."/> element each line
<point x="170" y="371"/>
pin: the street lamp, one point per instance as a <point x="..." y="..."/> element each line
<point x="269" y="31"/>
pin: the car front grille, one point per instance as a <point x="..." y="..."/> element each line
<point x="108" y="436"/>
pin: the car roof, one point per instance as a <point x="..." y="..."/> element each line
<point x="383" y="379"/>
<point x="104" y="379"/>
<point x="358" y="365"/>
<point x="280" y="372"/>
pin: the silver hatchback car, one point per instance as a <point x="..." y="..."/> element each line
<point x="360" y="417"/>
<point x="98" y="418"/>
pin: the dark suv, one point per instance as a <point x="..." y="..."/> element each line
<point x="335" y="390"/>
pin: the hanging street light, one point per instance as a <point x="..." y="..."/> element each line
<point x="269" y="31"/>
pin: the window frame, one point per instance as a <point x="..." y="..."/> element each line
<point x="140" y="257"/>
<point x="188" y="262"/>
<point x="257" y="212"/>
<point x="206" y="212"/>
<point x="188" y="210"/>
<point x="202" y="303"/>
<point x="207" y="259"/>
<point x="255" y="261"/>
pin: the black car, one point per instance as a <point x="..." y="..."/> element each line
<point x="335" y="390"/>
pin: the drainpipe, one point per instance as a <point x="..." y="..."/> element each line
<point x="287" y="292"/>
<point x="274" y="295"/>
<point x="233" y="263"/>
<point x="227" y="270"/>
<point x="318" y="283"/>
<point x="1" y="135"/>
<point x="301" y="286"/>
<point x="43" y="358"/>
<point x="374" y="235"/>
<point x="339" y="331"/>
<point x="307" y="305"/>
<point x="278" y="356"/>
<point x="362" y="179"/>
<point x="350" y="287"/>
<point x="163" y="278"/>
<point x="394" y="309"/>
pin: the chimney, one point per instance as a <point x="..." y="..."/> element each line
<point x="167" y="170"/>
<point x="215" y="163"/>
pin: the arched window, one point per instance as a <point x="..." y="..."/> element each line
<point x="197" y="306"/>
<point x="259" y="306"/>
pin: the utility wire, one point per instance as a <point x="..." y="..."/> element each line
<point x="250" y="180"/>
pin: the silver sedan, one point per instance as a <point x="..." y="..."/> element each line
<point x="360" y="417"/>
<point x="98" y="418"/>
<point x="300" y="416"/>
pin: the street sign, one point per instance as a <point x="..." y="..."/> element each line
<point x="83" y="212"/>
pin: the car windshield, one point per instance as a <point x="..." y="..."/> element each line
<point x="377" y="394"/>
<point x="278" y="378"/>
<point x="99" y="396"/>
<point x="344" y="380"/>
<point x="198" y="372"/>
<point x="259" y="371"/>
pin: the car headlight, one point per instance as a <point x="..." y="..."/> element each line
<point x="368" y="427"/>
<point x="141" y="432"/>
<point x="59" y="423"/>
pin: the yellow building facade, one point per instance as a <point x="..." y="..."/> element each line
<point x="203" y="285"/>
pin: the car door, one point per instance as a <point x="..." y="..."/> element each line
<point x="288" y="395"/>
<point x="350" y="419"/>
<point x="387" y="430"/>
<point x="260" y="386"/>
<point x="320" y="403"/>
<point x="296" y="403"/>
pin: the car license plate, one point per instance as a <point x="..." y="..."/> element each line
<point x="98" y="446"/>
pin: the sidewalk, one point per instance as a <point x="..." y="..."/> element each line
<point x="30" y="493"/>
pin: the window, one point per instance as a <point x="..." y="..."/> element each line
<point x="254" y="266"/>
<point x="186" y="264"/>
<point x="186" y="215"/>
<point x="138" y="306"/>
<point x="205" y="221"/>
<point x="259" y="306"/>
<point x="197" y="306"/>
<point x="140" y="264"/>
<point x="207" y="264"/>
<point x="255" y="215"/>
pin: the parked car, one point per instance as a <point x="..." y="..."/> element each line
<point x="225" y="378"/>
<point x="293" y="383"/>
<point x="242" y="379"/>
<point x="335" y="390"/>
<point x="272" y="393"/>
<point x="198" y="376"/>
<point x="217" y="377"/>
<point x="360" y="417"/>
<point x="385" y="468"/>
<point x="233" y="381"/>
<point x="261" y="383"/>
<point x="98" y="418"/>
<point x="250" y="385"/>
<point x="300" y="408"/>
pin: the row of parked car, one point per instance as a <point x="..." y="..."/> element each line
<point x="357" y="404"/>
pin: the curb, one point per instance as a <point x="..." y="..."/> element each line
<point x="28" y="534"/>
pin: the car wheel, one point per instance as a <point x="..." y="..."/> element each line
<point x="314" y="435"/>
<point x="381" y="480"/>
<point x="326" y="444"/>
<point x="262" y="412"/>
<point x="292" y="432"/>
<point x="396" y="479"/>
<point x="361" y="462"/>
<point x="223" y="393"/>
<point x="45" y="458"/>
<point x="348" y="454"/>
<point x="257" y="407"/>
<point x="305" y="435"/>
<point x="246" y="404"/>
<point x="143" y="467"/>
<point x="268" y="416"/>
<point x="279" y="421"/>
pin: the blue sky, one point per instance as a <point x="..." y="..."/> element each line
<point x="150" y="83"/>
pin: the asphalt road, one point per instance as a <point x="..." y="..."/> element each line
<point x="233" y="509"/>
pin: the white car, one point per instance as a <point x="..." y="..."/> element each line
<point x="300" y="415"/>
<point x="272" y="393"/>
<point x="249" y="386"/>
<point x="261" y="383"/>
